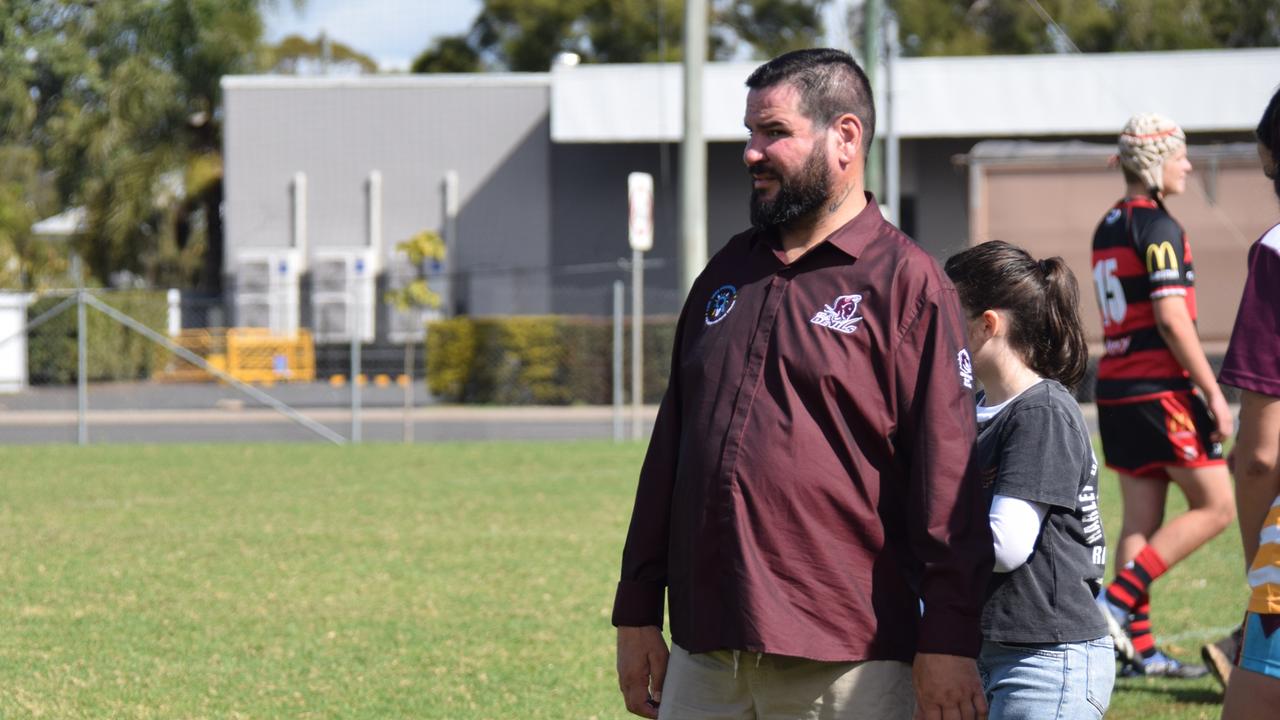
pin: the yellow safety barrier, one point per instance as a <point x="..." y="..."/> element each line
<point x="254" y="355"/>
<point x="251" y="355"/>
<point x="209" y="343"/>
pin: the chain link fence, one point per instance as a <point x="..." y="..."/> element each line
<point x="82" y="364"/>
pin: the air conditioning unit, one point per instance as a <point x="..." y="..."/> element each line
<point x="267" y="290"/>
<point x="342" y="294"/>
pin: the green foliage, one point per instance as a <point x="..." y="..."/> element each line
<point x="294" y="54"/>
<point x="451" y="357"/>
<point x="537" y="360"/>
<point x="119" y="98"/>
<point x="447" y="55"/>
<point x="526" y="35"/>
<point x="25" y="262"/>
<point x="966" y="27"/>
<point x="419" y="249"/>
<point x="115" y="352"/>
<point x="772" y="27"/>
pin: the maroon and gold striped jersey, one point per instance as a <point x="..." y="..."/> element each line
<point x="1140" y="254"/>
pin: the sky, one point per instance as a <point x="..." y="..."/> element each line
<point x="393" y="32"/>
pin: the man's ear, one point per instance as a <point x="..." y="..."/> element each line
<point x="848" y="129"/>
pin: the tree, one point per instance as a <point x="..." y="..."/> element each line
<point x="448" y="55"/>
<point x="772" y="27"/>
<point x="24" y="262"/>
<point x="296" y="55"/>
<point x="526" y="35"/>
<point x="979" y="27"/>
<point x="123" y="111"/>
<point x="424" y="247"/>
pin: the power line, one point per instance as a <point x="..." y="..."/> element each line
<point x="1044" y="15"/>
<point x="1200" y="185"/>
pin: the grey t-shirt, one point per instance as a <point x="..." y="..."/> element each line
<point x="1038" y="449"/>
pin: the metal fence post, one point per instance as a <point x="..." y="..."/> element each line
<point x="617" y="360"/>
<point x="354" y="325"/>
<point x="82" y="357"/>
<point x="637" y="343"/>
<point x="408" y="391"/>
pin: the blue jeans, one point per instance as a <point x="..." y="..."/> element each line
<point x="1068" y="681"/>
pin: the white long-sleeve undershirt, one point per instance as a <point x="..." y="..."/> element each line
<point x="1015" y="523"/>
<point x="1015" y="527"/>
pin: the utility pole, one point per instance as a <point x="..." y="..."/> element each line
<point x="892" y="199"/>
<point x="873" y="10"/>
<point x="693" y="149"/>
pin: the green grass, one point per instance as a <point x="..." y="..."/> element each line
<point x="1194" y="603"/>
<point x="301" y="581"/>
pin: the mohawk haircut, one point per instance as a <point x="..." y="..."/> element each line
<point x="830" y="84"/>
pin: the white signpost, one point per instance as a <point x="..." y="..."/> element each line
<point x="640" y="237"/>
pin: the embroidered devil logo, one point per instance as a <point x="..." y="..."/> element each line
<point x="841" y="315"/>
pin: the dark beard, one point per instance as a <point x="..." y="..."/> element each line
<point x="798" y="197"/>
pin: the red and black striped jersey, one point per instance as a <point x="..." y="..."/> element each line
<point x="1140" y="254"/>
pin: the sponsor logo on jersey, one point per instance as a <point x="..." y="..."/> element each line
<point x="721" y="303"/>
<point x="1117" y="346"/>
<point x="1178" y="422"/>
<point x="965" y="365"/>
<point x="1162" y="258"/>
<point x="1112" y="216"/>
<point x="1182" y="433"/>
<point x="841" y="315"/>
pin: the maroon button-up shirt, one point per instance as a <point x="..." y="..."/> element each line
<point x="807" y="484"/>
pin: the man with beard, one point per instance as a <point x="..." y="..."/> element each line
<point x="806" y="503"/>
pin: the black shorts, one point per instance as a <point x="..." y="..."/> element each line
<point x="1144" y="435"/>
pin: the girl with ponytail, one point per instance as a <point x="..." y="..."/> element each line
<point x="1252" y="364"/>
<point x="1046" y="649"/>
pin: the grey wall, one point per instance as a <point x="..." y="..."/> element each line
<point x="589" y="219"/>
<point x="495" y="136"/>
<point x="541" y="226"/>
<point x="939" y="192"/>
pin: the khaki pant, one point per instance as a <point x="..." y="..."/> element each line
<point x="725" y="685"/>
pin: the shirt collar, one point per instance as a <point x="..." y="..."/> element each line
<point x="854" y="236"/>
<point x="851" y="238"/>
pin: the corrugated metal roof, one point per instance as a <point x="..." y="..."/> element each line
<point x="1018" y="96"/>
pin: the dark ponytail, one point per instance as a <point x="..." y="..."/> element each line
<point x="1041" y="299"/>
<point x="1269" y="135"/>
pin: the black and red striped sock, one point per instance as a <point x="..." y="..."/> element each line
<point x="1144" y="642"/>
<point x="1131" y="583"/>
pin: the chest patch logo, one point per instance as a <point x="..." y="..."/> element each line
<point x="1113" y="216"/>
<point x="721" y="303"/>
<point x="841" y="315"/>
<point x="965" y="364"/>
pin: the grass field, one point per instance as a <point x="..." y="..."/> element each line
<point x="302" y="581"/>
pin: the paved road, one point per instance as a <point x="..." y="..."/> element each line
<point x="158" y="413"/>
<point x="263" y="425"/>
<point x="162" y="414"/>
